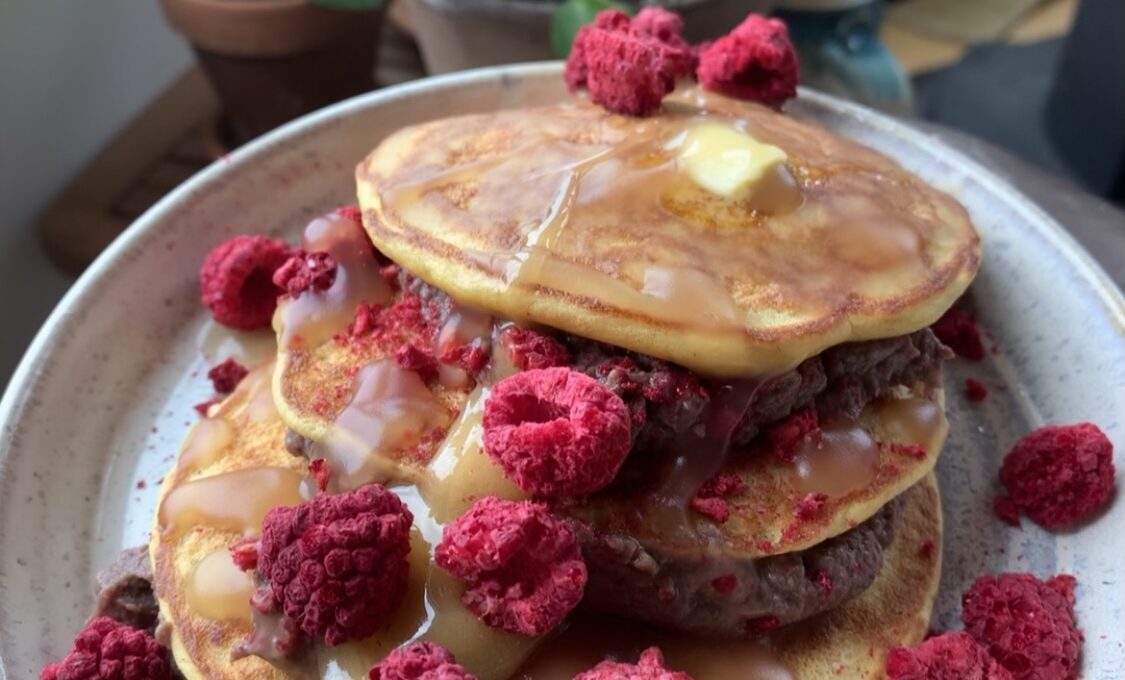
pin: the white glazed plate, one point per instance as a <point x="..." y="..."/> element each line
<point x="95" y="413"/>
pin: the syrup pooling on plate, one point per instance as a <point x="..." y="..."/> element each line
<point x="315" y="316"/>
<point x="217" y="589"/>
<point x="231" y="501"/>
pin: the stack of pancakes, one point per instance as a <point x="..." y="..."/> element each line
<point x="814" y="291"/>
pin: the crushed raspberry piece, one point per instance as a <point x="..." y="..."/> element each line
<point x="755" y="61"/>
<point x="724" y="584"/>
<point x="975" y="390"/>
<point x="556" y="432"/>
<point x="1060" y="473"/>
<point x="336" y="565"/>
<point x="411" y="357"/>
<point x="1006" y="509"/>
<point x="421" y="660"/>
<point x="244" y="554"/>
<point x="350" y="212"/>
<point x="910" y="450"/>
<point x="522" y="565"/>
<point x="226" y="376"/>
<point x="236" y="280"/>
<point x="628" y="66"/>
<point x="959" y="331"/>
<point x="321" y="472"/>
<point x="951" y="656"/>
<point x="108" y="650"/>
<point x="650" y="666"/>
<point x="306" y="271"/>
<point x="1026" y="624"/>
<point x="786" y="435"/>
<point x="810" y="506"/>
<point x="530" y="349"/>
<point x="203" y="407"/>
<point x="760" y="625"/>
<point x="709" y="500"/>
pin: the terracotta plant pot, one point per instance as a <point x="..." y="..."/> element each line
<point x="273" y="60"/>
<point x="460" y="34"/>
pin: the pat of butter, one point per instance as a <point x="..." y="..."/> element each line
<point x="726" y="161"/>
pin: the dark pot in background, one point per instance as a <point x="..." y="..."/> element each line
<point x="461" y="34"/>
<point x="273" y="60"/>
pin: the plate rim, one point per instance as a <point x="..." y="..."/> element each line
<point x="17" y="401"/>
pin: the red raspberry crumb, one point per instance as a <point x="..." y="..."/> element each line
<point x="204" y="406"/>
<point x="1060" y="473"/>
<point x="709" y="500"/>
<point x="411" y="357"/>
<point x="1006" y="509"/>
<point x="556" y="432"/>
<point x="421" y="660"/>
<point x="928" y="549"/>
<point x="824" y="580"/>
<point x="226" y="376"/>
<point x="336" y="565"/>
<point x="975" y="390"/>
<point x="236" y="280"/>
<point x="911" y="450"/>
<point x="810" y="506"/>
<point x="321" y="472"/>
<point x="1026" y="624"/>
<point x="760" y="625"/>
<point x="725" y="584"/>
<point x="530" y="349"/>
<point x="649" y="667"/>
<point x="787" y="434"/>
<point x="108" y="650"/>
<point x="522" y="565"/>
<point x="957" y="329"/>
<point x="350" y="212"/>
<point x="755" y="61"/>
<point x="244" y="554"/>
<point x="628" y="67"/>
<point x="304" y="270"/>
<point x="951" y="656"/>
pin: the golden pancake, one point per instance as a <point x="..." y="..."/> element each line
<point x="581" y="220"/>
<point x="204" y="599"/>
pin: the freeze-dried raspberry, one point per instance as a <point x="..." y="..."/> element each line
<point x="236" y="280"/>
<point x="421" y="660"/>
<point x="710" y="500"/>
<point x="336" y="565"/>
<point x="1060" y="473"/>
<point x="556" y="432"/>
<point x="649" y="667"/>
<point x="951" y="656"/>
<point x="1006" y="509"/>
<point x="411" y="357"/>
<point x="810" y="505"/>
<point x="786" y="436"/>
<point x="628" y="67"/>
<point x="909" y="450"/>
<point x="530" y="349"/>
<point x="203" y="407"/>
<point x="959" y="331"/>
<point x="244" y="554"/>
<point x="304" y="271"/>
<point x="760" y="625"/>
<point x="108" y="650"/>
<point x="226" y="376"/>
<point x="725" y="584"/>
<point x="755" y="61"/>
<point x="1026" y="624"/>
<point x="975" y="390"/>
<point x="522" y="565"/>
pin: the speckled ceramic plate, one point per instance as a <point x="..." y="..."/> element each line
<point x="96" y="411"/>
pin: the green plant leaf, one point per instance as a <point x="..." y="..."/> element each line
<point x="348" y="5"/>
<point x="573" y="15"/>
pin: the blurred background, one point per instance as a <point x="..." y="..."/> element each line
<point x="106" y="106"/>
